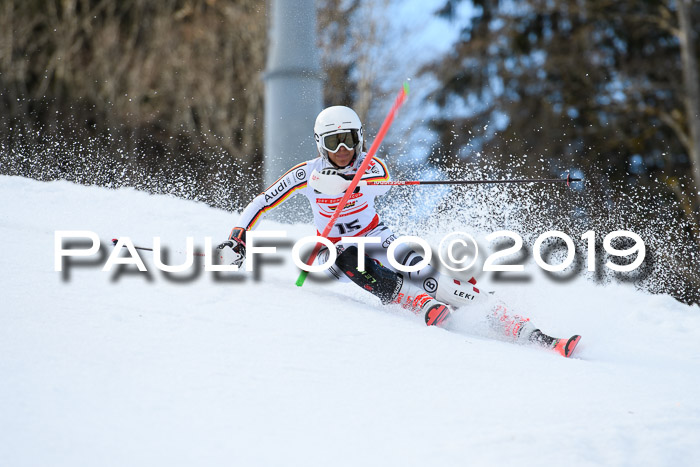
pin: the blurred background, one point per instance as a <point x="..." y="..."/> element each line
<point x="169" y="97"/>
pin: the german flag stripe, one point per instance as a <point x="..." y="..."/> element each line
<point x="257" y="217"/>
<point x="386" y="172"/>
<point x="371" y="179"/>
<point x="285" y="174"/>
<point x="382" y="164"/>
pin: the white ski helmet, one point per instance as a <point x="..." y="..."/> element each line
<point x="338" y="120"/>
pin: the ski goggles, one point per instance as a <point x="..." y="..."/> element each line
<point x="348" y="138"/>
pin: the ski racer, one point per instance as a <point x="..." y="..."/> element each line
<point x="323" y="180"/>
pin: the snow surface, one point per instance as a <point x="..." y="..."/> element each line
<point x="101" y="368"/>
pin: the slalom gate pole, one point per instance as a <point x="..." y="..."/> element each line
<point x="566" y="180"/>
<point x="400" y="98"/>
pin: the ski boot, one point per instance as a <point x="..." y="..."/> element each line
<point x="522" y="331"/>
<point x="414" y="299"/>
<point x="563" y="347"/>
<point x="391" y="287"/>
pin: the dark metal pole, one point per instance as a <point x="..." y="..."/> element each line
<point x="293" y="86"/>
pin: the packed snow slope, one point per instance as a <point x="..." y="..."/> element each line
<point x="127" y="368"/>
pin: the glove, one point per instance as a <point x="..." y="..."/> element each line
<point x="328" y="182"/>
<point x="232" y="251"/>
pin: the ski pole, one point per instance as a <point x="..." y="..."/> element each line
<point x="115" y="240"/>
<point x="566" y="180"/>
<point x="356" y="179"/>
